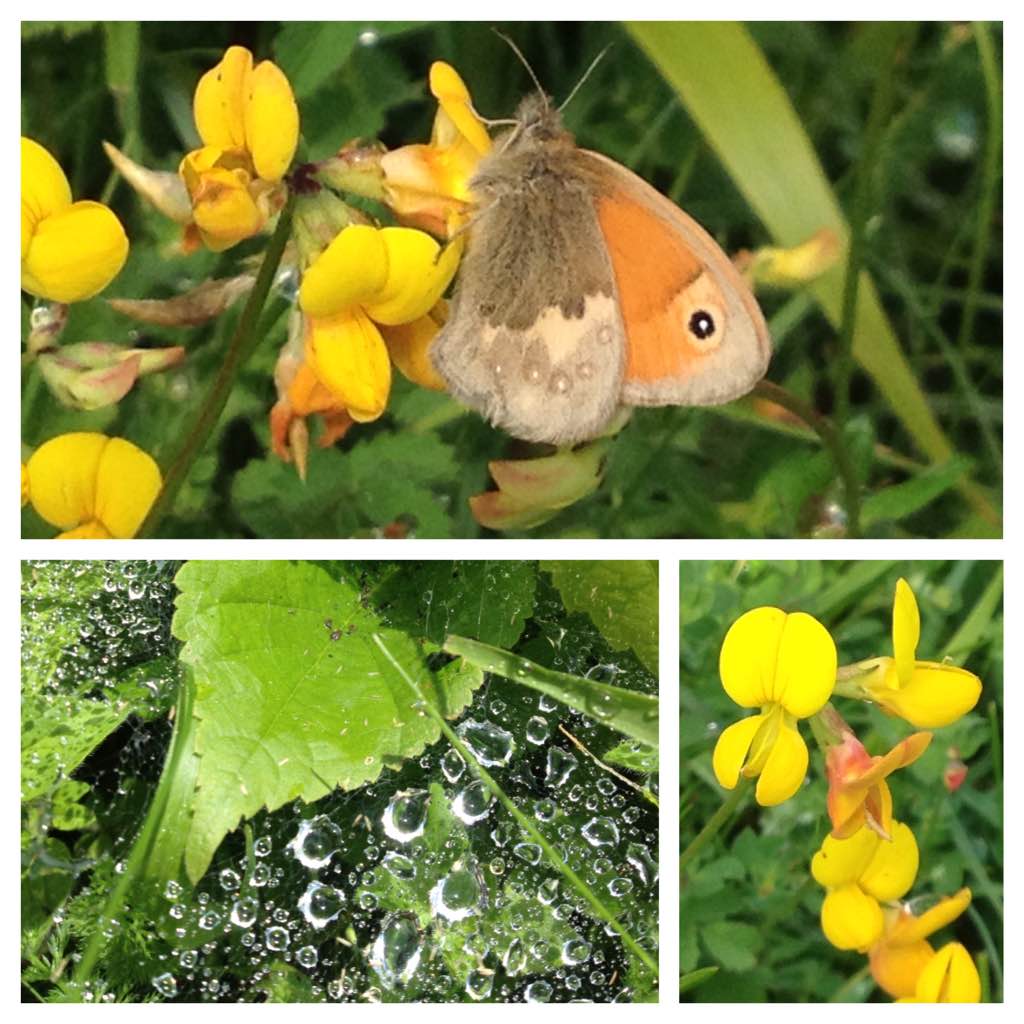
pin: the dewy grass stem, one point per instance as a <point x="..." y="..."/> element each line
<point x="553" y="856"/>
<point x="239" y="349"/>
<point x="715" y="823"/>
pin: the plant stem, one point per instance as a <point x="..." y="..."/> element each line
<point x="242" y="342"/>
<point x="553" y="856"/>
<point x="881" y="104"/>
<point x="715" y="823"/>
<point x="831" y="438"/>
<point x="147" y="835"/>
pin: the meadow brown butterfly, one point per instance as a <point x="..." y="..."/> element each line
<point x="583" y="289"/>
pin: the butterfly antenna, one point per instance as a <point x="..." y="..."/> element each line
<point x="586" y="74"/>
<point x="526" y="64"/>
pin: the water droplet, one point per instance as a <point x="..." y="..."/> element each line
<point x="188" y="959"/>
<point x="601" y="832"/>
<point x="461" y="893"/>
<point x="548" y="891"/>
<point x="307" y="957"/>
<point x="473" y="803"/>
<point x="479" y="984"/>
<point x="263" y="846"/>
<point x="405" y="817"/>
<point x="537" y="730"/>
<point x="316" y="842"/>
<point x="515" y="957"/>
<point x="276" y="938"/>
<point x="575" y="951"/>
<point x="396" y="951"/>
<point x="166" y="984"/>
<point x="230" y="880"/>
<point x="620" y="886"/>
<point x="643" y="863"/>
<point x="399" y="865"/>
<point x="209" y="920"/>
<point x="260" y="876"/>
<point x="529" y="852"/>
<point x="537" y="992"/>
<point x="545" y="810"/>
<point x="452" y="765"/>
<point x="172" y="890"/>
<point x="561" y="764"/>
<point x="491" y="745"/>
<point x="320" y="904"/>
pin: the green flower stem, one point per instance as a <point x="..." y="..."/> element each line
<point x="553" y="856"/>
<point x="181" y="744"/>
<point x="240" y="348"/>
<point x="831" y="437"/>
<point x="715" y="823"/>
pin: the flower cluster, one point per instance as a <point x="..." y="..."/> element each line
<point x="785" y="665"/>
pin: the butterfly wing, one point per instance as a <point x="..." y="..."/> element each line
<point x="695" y="333"/>
<point x="534" y="341"/>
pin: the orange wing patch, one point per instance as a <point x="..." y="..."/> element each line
<point x="671" y="309"/>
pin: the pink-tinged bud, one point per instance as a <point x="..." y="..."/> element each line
<point x="954" y="774"/>
<point x="196" y="306"/>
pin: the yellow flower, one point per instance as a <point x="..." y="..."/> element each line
<point x="429" y="184"/>
<point x="93" y="486"/>
<point x="249" y="123"/>
<point x="786" y="665"/>
<point x="927" y="694"/>
<point x="858" y="873"/>
<point x="366" y="279"/>
<point x="902" y="953"/>
<point x="69" y="251"/>
<point x="950" y="976"/>
<point x="857" y="791"/>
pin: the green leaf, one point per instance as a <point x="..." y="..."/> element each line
<point x="632" y="713"/>
<point x="637" y="757"/>
<point x="734" y="944"/>
<point x="902" y="500"/>
<point x="731" y="91"/>
<point x="489" y="601"/>
<point x="68" y="812"/>
<point x="621" y="599"/>
<point x="293" y="696"/>
<point x="694" y="978"/>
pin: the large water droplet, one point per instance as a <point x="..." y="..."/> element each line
<point x="405" y="817"/>
<point x="537" y="730"/>
<point x="479" y="984"/>
<point x="491" y="745"/>
<point x="537" y="992"/>
<point x="166" y="984"/>
<point x="244" y="911"/>
<point x="452" y="765"/>
<point x="561" y="765"/>
<point x="473" y="803"/>
<point x="644" y="864"/>
<point x="460" y="893"/>
<point x="514" y="959"/>
<point x="399" y="865"/>
<point x="320" y="904"/>
<point x="396" y="951"/>
<point x="575" y="951"/>
<point x="530" y="852"/>
<point x="276" y="938"/>
<point x="601" y="832"/>
<point x="316" y="842"/>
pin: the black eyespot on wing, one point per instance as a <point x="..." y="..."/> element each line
<point x="702" y="324"/>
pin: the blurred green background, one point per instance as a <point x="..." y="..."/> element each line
<point x="748" y="904"/>
<point x="763" y="132"/>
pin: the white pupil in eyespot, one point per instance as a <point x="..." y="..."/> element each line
<point x="702" y="324"/>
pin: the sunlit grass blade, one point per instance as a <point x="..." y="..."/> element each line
<point x="631" y="713"/>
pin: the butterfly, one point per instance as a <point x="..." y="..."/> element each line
<point x="582" y="289"/>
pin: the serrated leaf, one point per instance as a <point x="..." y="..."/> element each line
<point x="621" y="599"/>
<point x="630" y="712"/>
<point x="489" y="601"/>
<point x="734" y="944"/>
<point x="293" y="696"/>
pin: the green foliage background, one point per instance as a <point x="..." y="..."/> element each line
<point x="932" y="244"/>
<point x="286" y="718"/>
<point x="748" y="904"/>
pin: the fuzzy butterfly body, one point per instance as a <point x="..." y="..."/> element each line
<point x="583" y="289"/>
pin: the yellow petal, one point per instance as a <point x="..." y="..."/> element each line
<point x="224" y="209"/>
<point x="92" y="530"/>
<point x="409" y="347"/>
<point x="749" y="655"/>
<point x="806" y="671"/>
<point x="453" y="97"/>
<point x="271" y="121"/>
<point x="74" y="254"/>
<point x="127" y="483"/>
<point x="62" y="478"/>
<point x="850" y="918"/>
<point x="936" y="695"/>
<point x="842" y="861"/>
<point x="892" y="870"/>
<point x="348" y="356"/>
<point x="44" y="186"/>
<point x="219" y="101"/>
<point x="350" y="272"/>
<point x="417" y="275"/>
<point x="785" y="768"/>
<point x="897" y="968"/>
<point x="906" y="629"/>
<point x="731" y="749"/>
<point x="950" y="977"/>
<point x="909" y="928"/>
